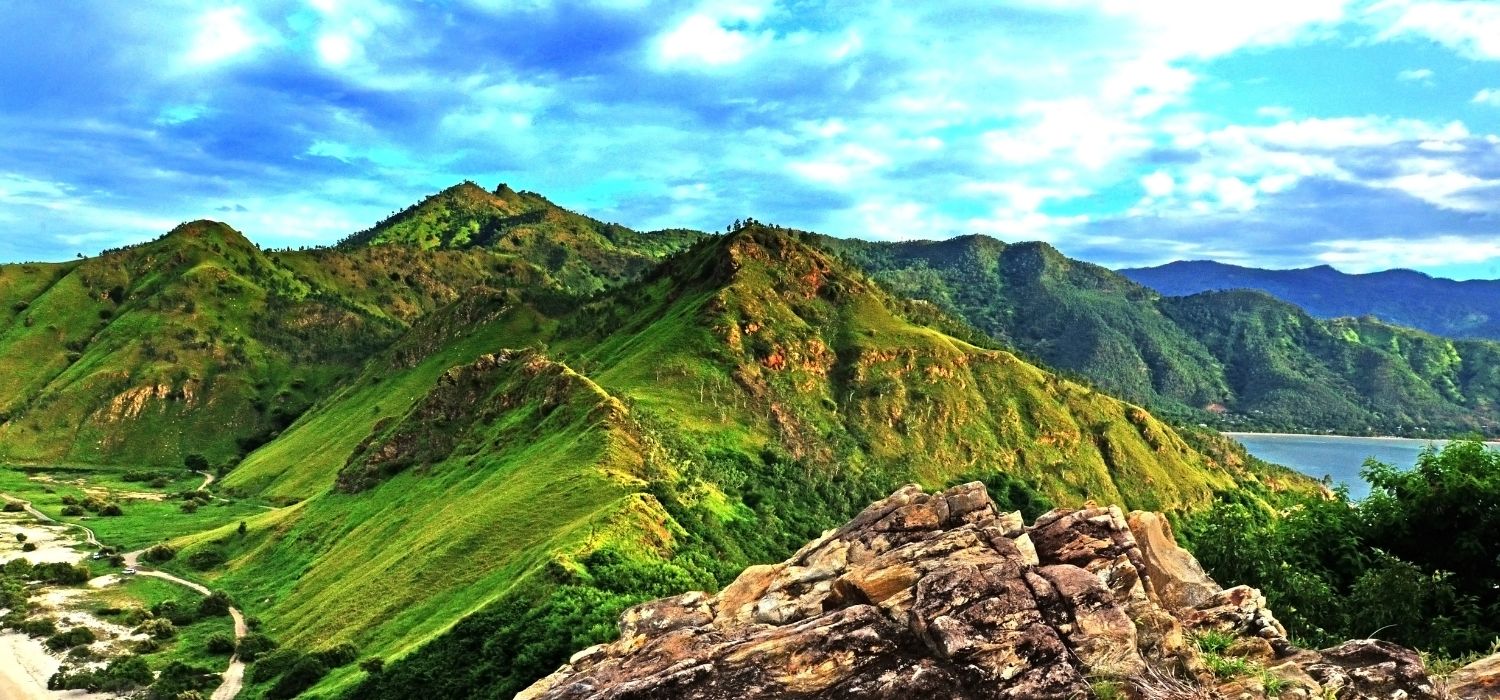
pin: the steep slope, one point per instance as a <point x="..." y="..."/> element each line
<point x="1444" y="307"/>
<point x="742" y="397"/>
<point x="1245" y="360"/>
<point x="200" y="342"/>
<point x="1301" y="373"/>
<point x="583" y="254"/>
<point x="1074" y="316"/>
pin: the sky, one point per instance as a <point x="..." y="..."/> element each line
<point x="1280" y="133"/>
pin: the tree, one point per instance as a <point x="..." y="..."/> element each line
<point x="195" y="462"/>
<point x="242" y="529"/>
<point x="20" y="537"/>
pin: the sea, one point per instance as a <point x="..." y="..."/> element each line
<point x="1339" y="457"/>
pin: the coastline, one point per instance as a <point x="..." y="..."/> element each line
<point x="1393" y="438"/>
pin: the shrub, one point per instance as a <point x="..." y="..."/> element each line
<point x="158" y="628"/>
<point x="72" y="510"/>
<point x="274" y="664"/>
<point x="214" y="605"/>
<point x="303" y="674"/>
<point x="160" y="553"/>
<point x="40" y="627"/>
<point x="178" y="678"/>
<point x="195" y="462"/>
<point x="189" y="506"/>
<point x="337" y="655"/>
<point x="70" y="638"/>
<point x="14" y="507"/>
<point x="220" y="644"/>
<point x="255" y="645"/>
<point x="176" y="611"/>
<point x="372" y="665"/>
<point x="28" y="547"/>
<point x="111" y="510"/>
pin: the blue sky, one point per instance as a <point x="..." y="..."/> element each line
<point x="1282" y="133"/>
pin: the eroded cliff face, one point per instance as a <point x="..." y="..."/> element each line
<point x="941" y="596"/>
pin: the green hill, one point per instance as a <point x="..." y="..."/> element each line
<point x="1231" y="359"/>
<point x="583" y="254"/>
<point x="200" y="342"/>
<point x="735" y="401"/>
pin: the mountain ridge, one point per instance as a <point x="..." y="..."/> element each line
<point x="1460" y="309"/>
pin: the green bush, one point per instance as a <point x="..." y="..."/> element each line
<point x="40" y="627"/>
<point x="215" y="604"/>
<point x="160" y="553"/>
<point x="255" y="645"/>
<point x="158" y="628"/>
<point x="70" y="638"/>
<point x="304" y="673"/>
<point x="1416" y="562"/>
<point x="220" y="643"/>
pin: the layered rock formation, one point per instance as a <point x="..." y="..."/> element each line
<point x="941" y="596"/>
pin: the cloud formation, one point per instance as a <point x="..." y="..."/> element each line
<point x="1125" y="132"/>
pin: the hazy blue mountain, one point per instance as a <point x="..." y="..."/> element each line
<point x="1446" y="307"/>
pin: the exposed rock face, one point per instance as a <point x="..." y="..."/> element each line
<point x="1479" y="680"/>
<point x="941" y="596"/>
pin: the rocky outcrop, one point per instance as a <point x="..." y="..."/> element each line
<point x="1477" y="681"/>
<point x="941" y="596"/>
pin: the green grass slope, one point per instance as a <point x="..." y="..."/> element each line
<point x="584" y="254"/>
<point x="200" y="342"/>
<point x="472" y="514"/>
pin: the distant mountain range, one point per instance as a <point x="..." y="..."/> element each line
<point x="1403" y="297"/>
<point x="1231" y="359"/>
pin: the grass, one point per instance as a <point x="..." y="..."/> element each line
<point x="143" y="523"/>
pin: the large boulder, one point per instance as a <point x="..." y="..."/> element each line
<point x="942" y="596"/>
<point x="1477" y="681"/>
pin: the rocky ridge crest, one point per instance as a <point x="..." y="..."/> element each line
<point x="942" y="596"/>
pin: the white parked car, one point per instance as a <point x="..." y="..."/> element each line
<point x="128" y="571"/>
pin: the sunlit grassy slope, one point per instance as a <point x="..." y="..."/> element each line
<point x="200" y="342"/>
<point x="741" y="397"/>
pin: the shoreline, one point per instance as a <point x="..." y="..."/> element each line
<point x="1235" y="434"/>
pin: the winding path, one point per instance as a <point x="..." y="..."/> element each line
<point x="234" y="676"/>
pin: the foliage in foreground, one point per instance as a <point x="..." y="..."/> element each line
<point x="1416" y="563"/>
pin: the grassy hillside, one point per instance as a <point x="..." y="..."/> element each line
<point x="584" y="254"/>
<point x="740" y="398"/>
<point x="1234" y="359"/>
<point x="200" y="342"/>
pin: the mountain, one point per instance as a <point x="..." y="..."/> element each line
<point x="1443" y="307"/>
<point x="200" y="342"/>
<point x="1230" y="359"/>
<point x="499" y="483"/>
<point x="583" y="254"/>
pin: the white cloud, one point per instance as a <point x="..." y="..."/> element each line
<point x="1385" y="253"/>
<point x="335" y="49"/>
<point x="1471" y="27"/>
<point x="223" y="34"/>
<point x="1488" y="96"/>
<point x="1416" y="75"/>
<point x="701" y="39"/>
<point x="1158" y="184"/>
<point x="1193" y="28"/>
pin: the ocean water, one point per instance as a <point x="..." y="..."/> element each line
<point x="1336" y="456"/>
